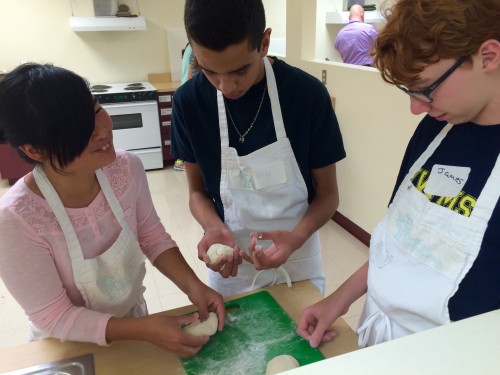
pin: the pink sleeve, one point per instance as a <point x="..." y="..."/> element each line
<point x="152" y="235"/>
<point x="28" y="269"/>
<point x="36" y="268"/>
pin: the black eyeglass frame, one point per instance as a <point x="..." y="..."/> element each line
<point x="424" y="94"/>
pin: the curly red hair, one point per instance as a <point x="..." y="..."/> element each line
<point x="422" y="32"/>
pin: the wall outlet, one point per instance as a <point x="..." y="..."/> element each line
<point x="323" y="76"/>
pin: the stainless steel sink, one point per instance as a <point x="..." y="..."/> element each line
<point x="81" y="365"/>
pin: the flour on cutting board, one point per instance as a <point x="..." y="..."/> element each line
<point x="253" y="334"/>
<point x="238" y="362"/>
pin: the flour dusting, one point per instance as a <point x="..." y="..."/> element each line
<point x="257" y="331"/>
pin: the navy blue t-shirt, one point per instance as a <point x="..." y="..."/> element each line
<point x="477" y="147"/>
<point x="310" y="125"/>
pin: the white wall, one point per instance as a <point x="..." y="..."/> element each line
<point x="374" y="117"/>
<point x="34" y="30"/>
<point x="276" y="17"/>
<point x="324" y="39"/>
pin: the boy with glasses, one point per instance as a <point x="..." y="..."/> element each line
<point x="435" y="256"/>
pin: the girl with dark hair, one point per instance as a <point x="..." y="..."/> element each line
<point x="75" y="232"/>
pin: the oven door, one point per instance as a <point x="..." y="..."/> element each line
<point x="136" y="125"/>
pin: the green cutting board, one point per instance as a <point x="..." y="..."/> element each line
<point x="256" y="330"/>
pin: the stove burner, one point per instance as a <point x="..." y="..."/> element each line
<point x="100" y="87"/>
<point x="123" y="92"/>
<point x="133" y="88"/>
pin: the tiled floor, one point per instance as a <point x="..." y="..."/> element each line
<point x="342" y="254"/>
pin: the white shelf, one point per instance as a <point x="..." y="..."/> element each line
<point x="373" y="16"/>
<point x="107" y="23"/>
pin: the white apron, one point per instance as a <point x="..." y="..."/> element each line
<point x="265" y="191"/>
<point x="419" y="254"/>
<point x="111" y="282"/>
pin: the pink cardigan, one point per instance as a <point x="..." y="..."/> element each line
<point x="34" y="260"/>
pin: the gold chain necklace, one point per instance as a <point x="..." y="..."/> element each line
<point x="242" y="136"/>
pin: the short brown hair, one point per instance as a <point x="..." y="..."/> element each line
<point x="422" y="32"/>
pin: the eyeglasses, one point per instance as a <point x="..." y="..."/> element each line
<point x="424" y="94"/>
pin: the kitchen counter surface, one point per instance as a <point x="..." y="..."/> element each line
<point x="162" y="82"/>
<point x="130" y="357"/>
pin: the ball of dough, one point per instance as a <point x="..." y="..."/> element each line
<point x="206" y="328"/>
<point x="281" y="363"/>
<point x="217" y="251"/>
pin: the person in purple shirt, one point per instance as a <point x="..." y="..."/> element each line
<point x="355" y="40"/>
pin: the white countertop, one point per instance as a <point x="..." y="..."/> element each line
<point x="470" y="346"/>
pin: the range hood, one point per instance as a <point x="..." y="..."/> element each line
<point x="107" y="23"/>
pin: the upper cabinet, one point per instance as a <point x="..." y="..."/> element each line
<point x="343" y="17"/>
<point x="107" y="23"/>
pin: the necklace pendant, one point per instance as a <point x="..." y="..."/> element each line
<point x="241" y="139"/>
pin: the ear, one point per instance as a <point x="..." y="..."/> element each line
<point x="266" y="41"/>
<point x="489" y="53"/>
<point x="32" y="152"/>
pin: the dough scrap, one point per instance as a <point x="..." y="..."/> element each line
<point x="281" y="363"/>
<point x="217" y="251"/>
<point x="206" y="328"/>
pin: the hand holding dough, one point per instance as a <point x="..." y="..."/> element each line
<point x="206" y="328"/>
<point x="281" y="363"/>
<point x="217" y="251"/>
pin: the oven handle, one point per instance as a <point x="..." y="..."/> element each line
<point x="130" y="104"/>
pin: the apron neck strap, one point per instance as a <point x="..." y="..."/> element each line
<point x="55" y="203"/>
<point x="279" y="125"/>
<point x="429" y="151"/>
<point x="272" y="89"/>
<point x="111" y="198"/>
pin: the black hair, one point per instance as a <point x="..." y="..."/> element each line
<point x="217" y="24"/>
<point x="48" y="107"/>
